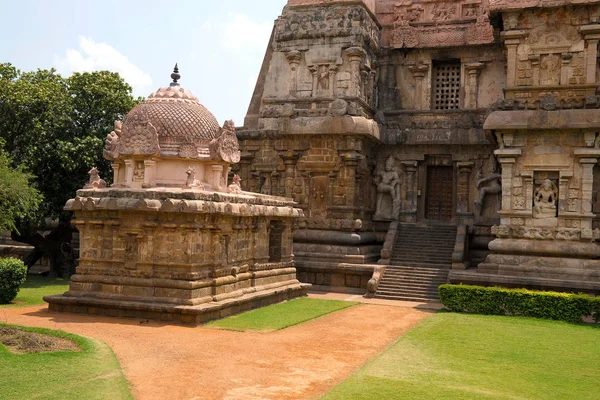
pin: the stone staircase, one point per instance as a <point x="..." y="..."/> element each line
<point x="421" y="260"/>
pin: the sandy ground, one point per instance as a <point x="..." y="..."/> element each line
<point x="177" y="362"/>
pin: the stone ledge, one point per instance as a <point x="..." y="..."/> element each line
<point x="475" y="278"/>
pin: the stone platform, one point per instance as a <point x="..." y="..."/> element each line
<point x="180" y="255"/>
<point x="176" y="313"/>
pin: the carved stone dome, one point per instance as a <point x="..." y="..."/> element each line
<point x="183" y="125"/>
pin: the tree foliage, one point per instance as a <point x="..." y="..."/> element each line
<point x="55" y="127"/>
<point x="18" y="199"/>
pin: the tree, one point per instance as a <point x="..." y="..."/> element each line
<point x="55" y="127"/>
<point x="18" y="199"/>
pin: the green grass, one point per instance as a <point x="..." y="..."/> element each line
<point x="36" y="287"/>
<point x="459" y="356"/>
<point x="92" y="373"/>
<point x="282" y="315"/>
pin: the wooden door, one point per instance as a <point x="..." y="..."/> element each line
<point x="439" y="193"/>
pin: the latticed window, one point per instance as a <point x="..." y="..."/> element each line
<point x="446" y="85"/>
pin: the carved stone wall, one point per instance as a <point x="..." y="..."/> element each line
<point x="179" y="255"/>
<point x="343" y="119"/>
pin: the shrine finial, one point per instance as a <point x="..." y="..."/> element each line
<point x="175" y="76"/>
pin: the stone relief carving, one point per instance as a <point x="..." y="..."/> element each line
<point x="225" y="146"/>
<point x="494" y="187"/>
<point x="112" y="141"/>
<point x="138" y="171"/>
<point x="141" y="137"/>
<point x="544" y="200"/>
<point x="235" y="186"/>
<point x="482" y="31"/>
<point x="404" y="34"/>
<point x="323" y="77"/>
<point x="188" y="150"/>
<point x="95" y="180"/>
<point x="388" y="183"/>
<point x="550" y="69"/>
<point x="191" y="181"/>
<point x="443" y="11"/>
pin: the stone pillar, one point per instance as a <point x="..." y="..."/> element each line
<point x="535" y="69"/>
<point x="315" y="79"/>
<point x="565" y="68"/>
<point x="587" y="183"/>
<point x="355" y="57"/>
<point x="289" y="160"/>
<point x="464" y="178"/>
<point x="409" y="205"/>
<point x="115" y="167"/>
<point x="528" y="189"/>
<point x="473" y="70"/>
<point x="512" y="39"/>
<point x="351" y="160"/>
<point x="507" y="158"/>
<point x="591" y="60"/>
<point x="419" y="71"/>
<point x="129" y="165"/>
<point x="332" y="73"/>
<point x="149" y="173"/>
<point x="563" y="190"/>
<point x="217" y="170"/>
<point x="293" y="58"/>
<point x="245" y="161"/>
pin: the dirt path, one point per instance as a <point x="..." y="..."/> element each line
<point x="176" y="362"/>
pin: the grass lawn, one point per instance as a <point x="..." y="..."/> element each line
<point x="36" y="287"/>
<point x="92" y="373"/>
<point x="461" y="356"/>
<point x="282" y="315"/>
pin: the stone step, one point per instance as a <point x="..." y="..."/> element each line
<point x="420" y="299"/>
<point x="405" y="263"/>
<point x="409" y="292"/>
<point x="414" y="280"/>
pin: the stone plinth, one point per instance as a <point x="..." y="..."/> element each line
<point x="180" y="255"/>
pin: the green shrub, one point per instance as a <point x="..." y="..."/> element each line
<point x="12" y="274"/>
<point x="528" y="303"/>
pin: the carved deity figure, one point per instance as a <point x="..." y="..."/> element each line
<point x="95" y="180"/>
<point x="494" y="186"/>
<point x="323" y="78"/>
<point x="388" y="183"/>
<point x="550" y="70"/>
<point x="138" y="172"/>
<point x="191" y="182"/>
<point x="235" y="186"/>
<point x="544" y="200"/>
<point x="112" y="141"/>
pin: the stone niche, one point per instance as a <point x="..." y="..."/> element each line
<point x="161" y="245"/>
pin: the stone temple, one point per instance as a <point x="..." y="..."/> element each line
<point x="431" y="141"/>
<point x="170" y="239"/>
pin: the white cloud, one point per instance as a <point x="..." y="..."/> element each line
<point x="94" y="56"/>
<point x="242" y="33"/>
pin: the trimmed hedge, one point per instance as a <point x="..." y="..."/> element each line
<point x="528" y="303"/>
<point x="12" y="274"/>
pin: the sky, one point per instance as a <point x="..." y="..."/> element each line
<point x="219" y="45"/>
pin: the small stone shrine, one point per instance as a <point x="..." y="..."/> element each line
<point x="170" y="240"/>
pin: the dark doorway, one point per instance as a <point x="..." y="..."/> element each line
<point x="439" y="193"/>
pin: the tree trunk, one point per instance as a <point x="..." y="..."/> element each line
<point x="55" y="246"/>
